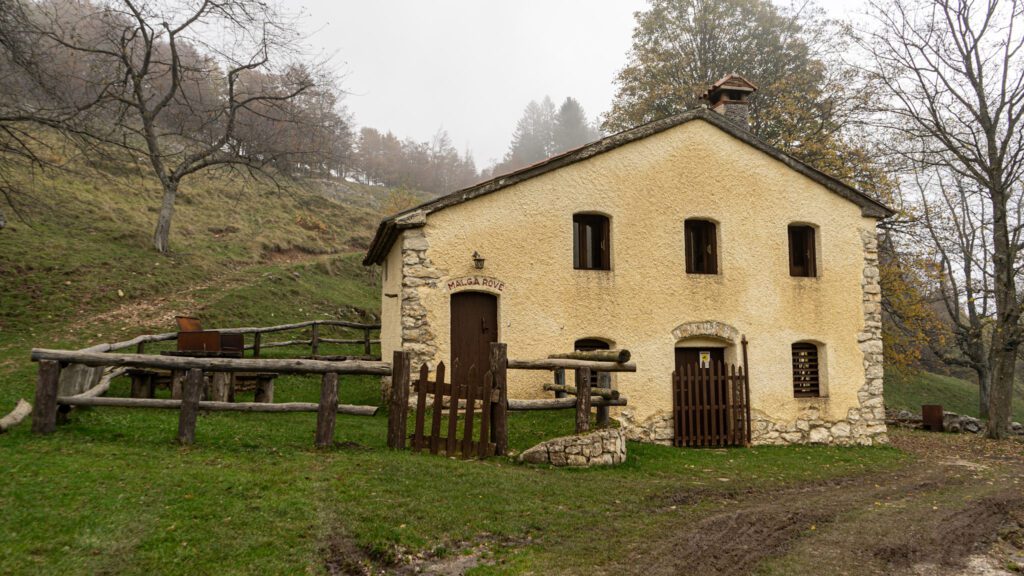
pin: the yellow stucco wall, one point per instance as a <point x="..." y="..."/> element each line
<point x="648" y="188"/>
<point x="390" y="304"/>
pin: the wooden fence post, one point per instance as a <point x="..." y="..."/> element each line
<point x="315" y="340"/>
<point x="328" y="412"/>
<point x="177" y="383"/>
<point x="560" y="381"/>
<point x="582" y="400"/>
<point x="398" y="404"/>
<point x="499" y="410"/>
<point x="140" y="348"/>
<point x="367" y="348"/>
<point x="256" y="344"/>
<point x="604" y="381"/>
<point x="220" y="386"/>
<point x="44" y="414"/>
<point x="192" y="389"/>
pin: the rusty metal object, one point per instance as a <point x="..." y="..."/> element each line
<point x="931" y="417"/>
<point x="206" y="341"/>
<point x="188" y="324"/>
<point x="234" y="343"/>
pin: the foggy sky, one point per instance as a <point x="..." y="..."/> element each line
<point x="471" y="66"/>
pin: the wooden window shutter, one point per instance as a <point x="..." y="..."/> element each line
<point x="806" y="370"/>
<point x="711" y="241"/>
<point x="606" y="241"/>
<point x="688" y="236"/>
<point x="591" y="242"/>
<point x="812" y="258"/>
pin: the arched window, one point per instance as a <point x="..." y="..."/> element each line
<point x="701" y="247"/>
<point x="802" y="252"/>
<point x="806" y="370"/>
<point x="591" y="242"/>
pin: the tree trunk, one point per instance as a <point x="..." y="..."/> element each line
<point x="984" y="385"/>
<point x="161" y="238"/>
<point x="1006" y="332"/>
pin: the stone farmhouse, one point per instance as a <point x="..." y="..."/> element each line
<point x="686" y="241"/>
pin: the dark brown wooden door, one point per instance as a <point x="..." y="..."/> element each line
<point x="474" y="327"/>
<point x="691" y="356"/>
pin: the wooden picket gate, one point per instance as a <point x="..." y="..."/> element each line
<point x="711" y="406"/>
<point x="483" y="402"/>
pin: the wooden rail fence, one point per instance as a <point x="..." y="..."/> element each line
<point x="486" y="399"/>
<point x="52" y="362"/>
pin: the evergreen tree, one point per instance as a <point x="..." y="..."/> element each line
<point x="571" y="128"/>
<point x="533" y="139"/>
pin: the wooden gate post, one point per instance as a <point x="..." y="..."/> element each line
<point x="582" y="400"/>
<point x="499" y="409"/>
<point x="398" y="403"/>
<point x="746" y="390"/>
<point x="44" y="414"/>
<point x="192" y="390"/>
<point x="328" y="411"/>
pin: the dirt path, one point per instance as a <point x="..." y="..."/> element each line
<point x="958" y="508"/>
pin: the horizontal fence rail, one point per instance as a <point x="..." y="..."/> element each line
<point x="280" y="365"/>
<point x="212" y="406"/>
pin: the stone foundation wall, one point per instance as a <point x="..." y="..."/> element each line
<point x="605" y="447"/>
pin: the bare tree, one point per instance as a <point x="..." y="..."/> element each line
<point x="189" y="84"/>
<point x="953" y="74"/>
<point x="36" y="97"/>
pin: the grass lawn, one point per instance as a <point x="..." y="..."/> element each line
<point x="111" y="493"/>
<point x="910" y="391"/>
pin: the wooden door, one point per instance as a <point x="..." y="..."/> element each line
<point x="691" y="356"/>
<point x="474" y="327"/>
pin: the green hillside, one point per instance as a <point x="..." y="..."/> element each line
<point x="79" y="268"/>
<point x="910" y="391"/>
